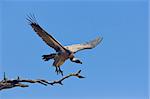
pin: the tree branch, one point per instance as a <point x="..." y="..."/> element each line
<point x="72" y="74"/>
<point x="7" y="84"/>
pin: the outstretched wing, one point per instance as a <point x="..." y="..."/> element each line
<point x="47" y="38"/>
<point x="89" y="45"/>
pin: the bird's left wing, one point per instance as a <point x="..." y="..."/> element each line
<point x="89" y="45"/>
<point x="47" y="38"/>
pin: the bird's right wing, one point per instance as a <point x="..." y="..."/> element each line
<point x="47" y="38"/>
<point x="89" y="45"/>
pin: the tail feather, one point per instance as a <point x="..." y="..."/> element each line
<point x="48" y="57"/>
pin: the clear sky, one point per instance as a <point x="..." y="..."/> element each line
<point x="115" y="69"/>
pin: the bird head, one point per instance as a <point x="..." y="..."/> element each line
<point x="76" y="60"/>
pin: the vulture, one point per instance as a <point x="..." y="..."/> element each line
<point x="62" y="52"/>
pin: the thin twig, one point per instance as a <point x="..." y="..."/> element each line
<point x="72" y="74"/>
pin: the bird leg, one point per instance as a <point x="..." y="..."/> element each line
<point x="59" y="71"/>
<point x="56" y="70"/>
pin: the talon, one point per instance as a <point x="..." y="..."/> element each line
<point x="60" y="71"/>
<point x="57" y="71"/>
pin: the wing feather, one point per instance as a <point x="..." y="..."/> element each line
<point x="89" y="45"/>
<point x="47" y="38"/>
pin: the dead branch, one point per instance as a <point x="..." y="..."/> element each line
<point x="72" y="74"/>
<point x="7" y="84"/>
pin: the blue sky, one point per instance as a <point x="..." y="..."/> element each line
<point x="115" y="69"/>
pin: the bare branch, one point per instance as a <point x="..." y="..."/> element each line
<point x="7" y="84"/>
<point x="72" y="74"/>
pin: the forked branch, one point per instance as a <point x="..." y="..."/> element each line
<point x="7" y="84"/>
<point x="72" y="74"/>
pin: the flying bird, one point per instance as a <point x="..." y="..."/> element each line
<point x="62" y="52"/>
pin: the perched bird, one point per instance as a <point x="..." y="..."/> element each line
<point x="62" y="52"/>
